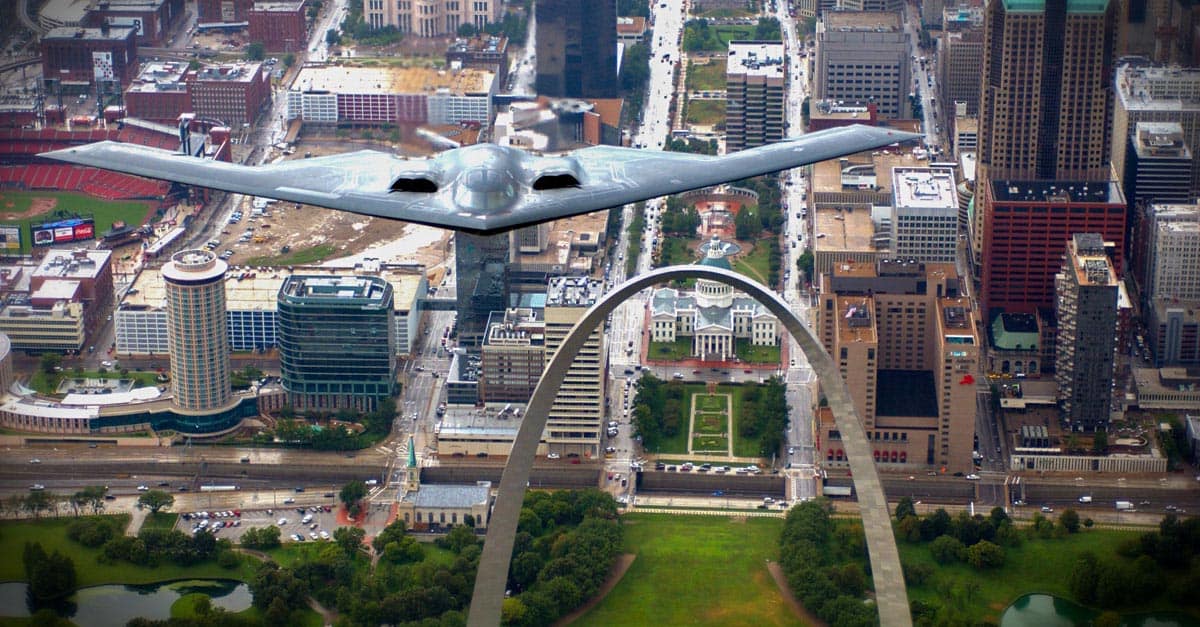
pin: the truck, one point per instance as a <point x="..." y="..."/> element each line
<point x="218" y="488"/>
<point x="1123" y="506"/>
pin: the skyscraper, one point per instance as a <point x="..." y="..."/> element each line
<point x="197" y="339"/>
<point x="1047" y="90"/>
<point x="864" y="57"/>
<point x="337" y="343"/>
<point x="482" y="265"/>
<point x="577" y="48"/>
<point x="1087" y="328"/>
<point x="573" y="426"/>
<point x="755" y="87"/>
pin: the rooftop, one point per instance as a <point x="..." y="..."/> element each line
<point x="161" y="76"/>
<point x="282" y="6"/>
<point x="573" y="291"/>
<point x="56" y="289"/>
<point x="112" y="33"/>
<point x="431" y="496"/>
<point x="1158" y="88"/>
<point x="923" y="188"/>
<point x="755" y="58"/>
<point x="1092" y="266"/>
<point x="391" y="80"/>
<point x="856" y="323"/>
<point x="465" y="422"/>
<point x="843" y="230"/>
<point x="1014" y="331"/>
<point x="373" y="290"/>
<point x="241" y="72"/>
<point x="1073" y="6"/>
<point x="76" y="264"/>
<point x="880" y="21"/>
<point x="1056" y="191"/>
<point x="480" y="43"/>
<point x="1160" y="139"/>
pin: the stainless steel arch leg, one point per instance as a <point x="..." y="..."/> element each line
<point x="890" y="594"/>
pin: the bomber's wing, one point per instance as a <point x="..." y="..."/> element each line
<point x="360" y="182"/>
<point x="616" y="176"/>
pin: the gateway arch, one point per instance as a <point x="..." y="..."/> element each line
<point x="492" y="577"/>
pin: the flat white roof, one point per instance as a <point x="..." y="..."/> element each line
<point x="923" y="188"/>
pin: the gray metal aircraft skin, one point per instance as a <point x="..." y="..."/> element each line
<point x="483" y="188"/>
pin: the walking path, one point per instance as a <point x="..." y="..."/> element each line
<point x="728" y="434"/>
<point x="137" y="517"/>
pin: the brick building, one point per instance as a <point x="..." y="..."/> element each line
<point x="279" y="26"/>
<point x="152" y="18"/>
<point x="214" y="11"/>
<point x="82" y="56"/>
<point x="233" y="93"/>
<point x="159" y="93"/>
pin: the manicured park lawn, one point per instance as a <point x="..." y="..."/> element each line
<point x="696" y="570"/>
<point x="161" y="520"/>
<point x="52" y="534"/>
<point x="751" y="354"/>
<point x="1035" y="566"/>
<point x="706" y="112"/>
<point x="678" y="350"/>
<point x="754" y="264"/>
<point x="132" y="212"/>
<point x="706" y="76"/>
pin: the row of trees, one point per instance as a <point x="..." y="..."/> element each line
<point x="635" y="74"/>
<point x="825" y="564"/>
<point x="692" y="145"/>
<point x="1166" y="561"/>
<point x="294" y="431"/>
<point x="657" y="410"/>
<point x="764" y="415"/>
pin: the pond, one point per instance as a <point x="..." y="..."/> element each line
<point x="101" y="606"/>
<point x="1044" y="610"/>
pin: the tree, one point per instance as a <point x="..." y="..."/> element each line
<point x="156" y="500"/>
<point x="984" y="554"/>
<point x="332" y="37"/>
<point x="905" y="508"/>
<point x="946" y="549"/>
<point x="352" y="495"/>
<point x="1100" y="442"/>
<point x="289" y="60"/>
<point x="805" y="263"/>
<point x="349" y="538"/>
<point x="51" y="362"/>
<point x="256" y="51"/>
<point x="466" y="29"/>
<point x="1069" y="520"/>
<point x="50" y="576"/>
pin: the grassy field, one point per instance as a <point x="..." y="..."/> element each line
<point x="696" y="570"/>
<point x="754" y="264"/>
<point x="302" y="257"/>
<point x="1035" y="566"/>
<point x="706" y="76"/>
<point x="132" y="212"/>
<point x="749" y="353"/>
<point x="676" y="251"/>
<point x="161" y="520"/>
<point x="710" y="445"/>
<point x="706" y="112"/>
<point x="52" y="534"/>
<point x="681" y="348"/>
<point x="718" y="13"/>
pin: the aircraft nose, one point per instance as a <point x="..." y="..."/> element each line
<point x="485" y="180"/>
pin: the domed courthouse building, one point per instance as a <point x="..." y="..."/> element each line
<point x="713" y="315"/>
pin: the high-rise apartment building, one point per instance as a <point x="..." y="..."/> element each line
<point x="1159" y="164"/>
<point x="755" y="87"/>
<point x="1087" y="327"/>
<point x="1046" y="96"/>
<point x="336" y="341"/>
<point x="1026" y="226"/>
<point x="197" y="341"/>
<point x="925" y="214"/>
<point x="481" y="263"/>
<point x="864" y="56"/>
<point x="1156" y="94"/>
<point x="904" y="338"/>
<point x="575" y="419"/>
<point x="431" y="18"/>
<point x="1169" y="254"/>
<point x="576" y="49"/>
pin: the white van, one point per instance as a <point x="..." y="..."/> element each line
<point x="1085" y="499"/>
<point x="307" y="519"/>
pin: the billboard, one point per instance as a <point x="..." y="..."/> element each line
<point x="10" y="238"/>
<point x="63" y="231"/>
<point x="102" y="65"/>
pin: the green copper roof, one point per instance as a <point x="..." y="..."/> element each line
<point x="716" y="262"/>
<point x="412" y="453"/>
<point x="1073" y="6"/>
<point x="1008" y="339"/>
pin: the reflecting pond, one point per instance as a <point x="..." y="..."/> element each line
<point x="1044" y="610"/>
<point x="101" y="606"/>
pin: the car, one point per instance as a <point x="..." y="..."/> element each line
<point x="38" y="461"/>
<point x="973" y="477"/>
<point x="611" y="449"/>
<point x="324" y="535"/>
<point x="289" y="501"/>
<point x="553" y="456"/>
<point x="282" y="522"/>
<point x="37" y="487"/>
<point x="106" y="364"/>
<point x="1047" y="509"/>
<point x="142" y="488"/>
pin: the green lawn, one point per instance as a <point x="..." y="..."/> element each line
<point x="730" y="32"/>
<point x="712" y="402"/>
<point x="706" y="76"/>
<point x="718" y="13"/>
<point x="635" y="228"/>
<point x="52" y="534"/>
<point x="712" y="423"/>
<point x="680" y="349"/>
<point x="751" y="354"/>
<point x="696" y="570"/>
<point x="161" y="520"/>
<point x="710" y="444"/>
<point x="676" y="251"/>
<point x="132" y="212"/>
<point x="302" y="257"/>
<point x="1035" y="566"/>
<point x="706" y="112"/>
<point x="48" y="383"/>
<point x="754" y="264"/>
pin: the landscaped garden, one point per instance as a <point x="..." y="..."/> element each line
<point x="705" y="112"/>
<point x="662" y="411"/>
<point x="706" y="76"/>
<point x="751" y="354"/>
<point x="678" y="350"/>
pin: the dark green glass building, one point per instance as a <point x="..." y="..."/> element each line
<point x="337" y="343"/>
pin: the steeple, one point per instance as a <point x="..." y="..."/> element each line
<point x="412" y="473"/>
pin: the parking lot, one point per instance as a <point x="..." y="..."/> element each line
<point x="231" y="524"/>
